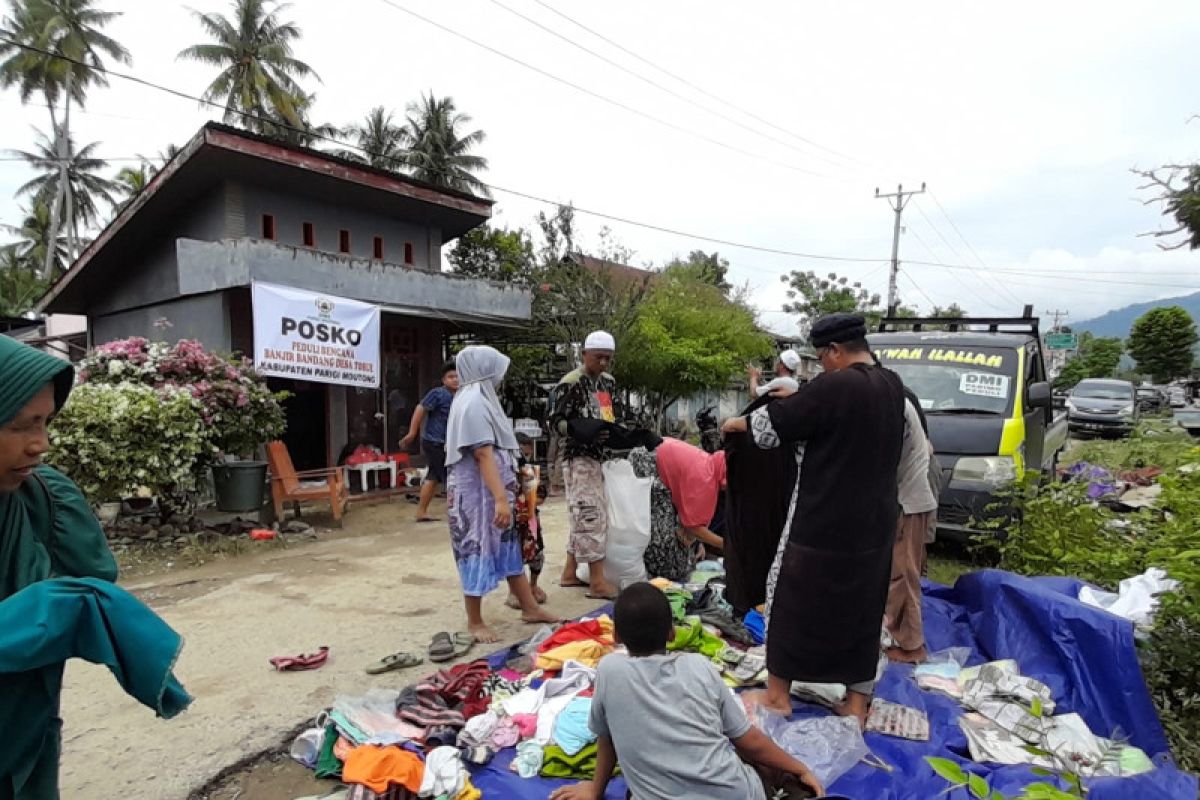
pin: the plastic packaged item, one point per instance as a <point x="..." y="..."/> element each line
<point x="829" y="746"/>
<point x="1137" y="598"/>
<point x="307" y="746"/>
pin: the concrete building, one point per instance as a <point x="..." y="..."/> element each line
<point x="233" y="208"/>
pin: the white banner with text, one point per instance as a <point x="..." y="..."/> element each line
<point x="309" y="336"/>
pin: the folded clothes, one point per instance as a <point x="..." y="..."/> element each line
<point x="378" y="768"/>
<point x="599" y="629"/>
<point x="422" y="705"/>
<point x="528" y="761"/>
<point x="571" y="731"/>
<point x="581" y="766"/>
<point x="587" y="652"/>
<point x="328" y="765"/>
<point x="692" y="637"/>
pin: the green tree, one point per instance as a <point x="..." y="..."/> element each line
<point x="1161" y="343"/>
<point x="34" y="237"/>
<point x="20" y="285"/>
<point x="1097" y="357"/>
<point x="496" y="254"/>
<point x="687" y="337"/>
<point x="382" y="140"/>
<point x="438" y="151"/>
<point x="1178" y="192"/>
<point x="711" y="269"/>
<point x="85" y="186"/>
<point x="60" y="30"/>
<point x="258" y="71"/>
<point x="813" y="297"/>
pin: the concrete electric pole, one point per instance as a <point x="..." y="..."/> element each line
<point x="902" y="198"/>
<point x="1058" y="315"/>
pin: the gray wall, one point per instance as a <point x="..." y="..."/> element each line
<point x="212" y="266"/>
<point x="200" y="317"/>
<point x="292" y="211"/>
<point x="154" y="264"/>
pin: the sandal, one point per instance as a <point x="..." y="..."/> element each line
<point x="463" y="642"/>
<point x="301" y="662"/>
<point x="394" y="661"/>
<point x="441" y="648"/>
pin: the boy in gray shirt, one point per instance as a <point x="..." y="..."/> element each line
<point x="673" y="724"/>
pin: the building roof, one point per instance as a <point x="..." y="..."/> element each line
<point x="220" y="152"/>
<point x="622" y="272"/>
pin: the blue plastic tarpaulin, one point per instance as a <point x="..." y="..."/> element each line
<point x="1085" y="655"/>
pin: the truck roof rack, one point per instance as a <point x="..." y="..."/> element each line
<point x="1027" y="323"/>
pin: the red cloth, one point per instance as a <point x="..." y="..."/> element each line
<point x="693" y="477"/>
<point x="576" y="632"/>
<point x="462" y="685"/>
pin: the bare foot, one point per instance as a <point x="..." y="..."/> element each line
<point x="901" y="656"/>
<point x="568" y="581"/>
<point x="855" y="705"/>
<point x="513" y="602"/>
<point x="602" y="591"/>
<point x="539" y="615"/>
<point x="484" y="634"/>
<point x="763" y="699"/>
<point x="539" y="594"/>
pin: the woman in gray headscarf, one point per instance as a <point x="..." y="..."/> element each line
<point x="481" y="456"/>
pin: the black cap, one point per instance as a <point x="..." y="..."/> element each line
<point x="839" y="327"/>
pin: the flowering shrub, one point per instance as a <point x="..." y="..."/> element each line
<point x="238" y="410"/>
<point x="128" y="439"/>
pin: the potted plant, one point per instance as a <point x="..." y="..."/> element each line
<point x="128" y="439"/>
<point x="238" y="411"/>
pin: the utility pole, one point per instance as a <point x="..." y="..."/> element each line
<point x="1058" y="315"/>
<point x="902" y="198"/>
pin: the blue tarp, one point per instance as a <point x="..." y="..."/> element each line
<point x="1086" y="656"/>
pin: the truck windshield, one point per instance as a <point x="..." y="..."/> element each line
<point x="956" y="381"/>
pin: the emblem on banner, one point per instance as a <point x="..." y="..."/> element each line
<point x="324" y="306"/>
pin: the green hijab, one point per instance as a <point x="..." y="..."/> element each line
<point x="47" y="530"/>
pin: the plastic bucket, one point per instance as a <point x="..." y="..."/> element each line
<point x="240" y="485"/>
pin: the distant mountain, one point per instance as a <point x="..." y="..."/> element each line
<point x="1119" y="321"/>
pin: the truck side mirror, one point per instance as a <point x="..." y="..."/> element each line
<point x="1039" y="395"/>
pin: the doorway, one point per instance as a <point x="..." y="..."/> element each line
<point x="307" y="422"/>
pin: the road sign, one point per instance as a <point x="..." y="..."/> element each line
<point x="1062" y="341"/>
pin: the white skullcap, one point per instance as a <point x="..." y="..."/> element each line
<point x="600" y="340"/>
<point x="790" y="359"/>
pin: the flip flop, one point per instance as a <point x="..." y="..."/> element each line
<point x="427" y="519"/>
<point x="441" y="648"/>
<point x="463" y="642"/>
<point x="394" y="661"/>
<point x="572" y="584"/>
<point x="301" y="662"/>
<point x="594" y="596"/>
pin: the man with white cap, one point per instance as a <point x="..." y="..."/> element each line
<point x="588" y="392"/>
<point x="785" y="381"/>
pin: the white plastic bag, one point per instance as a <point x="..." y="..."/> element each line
<point x="1137" y="599"/>
<point x="829" y="746"/>
<point x="628" y="525"/>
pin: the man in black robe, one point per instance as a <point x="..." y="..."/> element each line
<point x="826" y="603"/>
<point x="758" y="491"/>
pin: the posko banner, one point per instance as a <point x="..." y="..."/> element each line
<point x="309" y="336"/>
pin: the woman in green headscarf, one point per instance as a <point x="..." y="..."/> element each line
<point x="48" y="538"/>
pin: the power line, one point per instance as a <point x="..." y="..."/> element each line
<point x="603" y="98"/>
<point x="920" y="291"/>
<point x="353" y="146"/>
<point x="983" y="274"/>
<point x="659" y="86"/>
<point x="956" y="230"/>
<point x="693" y="86"/>
<point x="954" y="274"/>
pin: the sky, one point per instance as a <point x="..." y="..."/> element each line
<point x="1023" y="119"/>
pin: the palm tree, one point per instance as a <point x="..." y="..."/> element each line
<point x="34" y="238"/>
<point x="66" y="29"/>
<point x="381" y="143"/>
<point x="305" y="133"/>
<point x="436" y="153"/>
<point x="258" y="72"/>
<point x="56" y="47"/>
<point x="132" y="181"/>
<point x="20" y="286"/>
<point x="84" y="184"/>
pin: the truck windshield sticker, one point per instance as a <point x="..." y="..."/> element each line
<point x="943" y="355"/>
<point x="983" y="384"/>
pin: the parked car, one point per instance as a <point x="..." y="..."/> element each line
<point x="1177" y="396"/>
<point x="1102" y="407"/>
<point x="1150" y="399"/>
<point x="982" y="385"/>
<point x="1189" y="420"/>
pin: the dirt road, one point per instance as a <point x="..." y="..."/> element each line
<point x="382" y="584"/>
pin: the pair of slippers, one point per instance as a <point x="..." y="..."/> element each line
<point x="304" y="661"/>
<point x="443" y="647"/>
